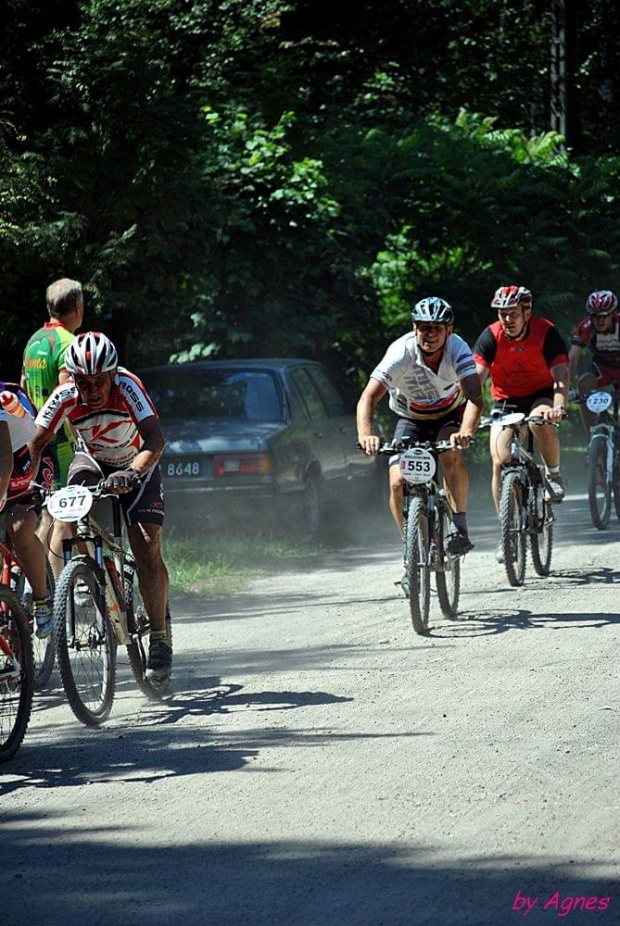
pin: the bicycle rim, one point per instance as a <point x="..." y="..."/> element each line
<point x="512" y="517"/>
<point x="542" y="543"/>
<point x="599" y="484"/>
<point x="417" y="565"/>
<point x="16" y="674"/>
<point x="86" y="649"/>
<point x="448" y="575"/>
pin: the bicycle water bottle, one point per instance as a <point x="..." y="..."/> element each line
<point x="11" y="404"/>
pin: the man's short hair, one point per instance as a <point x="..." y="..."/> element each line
<point x="62" y="297"/>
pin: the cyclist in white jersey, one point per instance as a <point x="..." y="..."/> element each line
<point x="434" y="389"/>
<point x="17" y="517"/>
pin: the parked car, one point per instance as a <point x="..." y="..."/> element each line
<point x="273" y="439"/>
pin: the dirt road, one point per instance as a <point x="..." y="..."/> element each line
<point x="320" y="764"/>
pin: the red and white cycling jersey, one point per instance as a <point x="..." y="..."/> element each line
<point x="605" y="345"/>
<point x="110" y="433"/>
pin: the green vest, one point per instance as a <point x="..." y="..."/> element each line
<point x="44" y="358"/>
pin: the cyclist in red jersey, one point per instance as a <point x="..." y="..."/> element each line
<point x="600" y="331"/>
<point x="122" y="441"/>
<point x="527" y="360"/>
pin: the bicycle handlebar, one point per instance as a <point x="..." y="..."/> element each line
<point x="491" y="420"/>
<point x="407" y="443"/>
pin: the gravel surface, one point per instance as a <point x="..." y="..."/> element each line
<point x="321" y="764"/>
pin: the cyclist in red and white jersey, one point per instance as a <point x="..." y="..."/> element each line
<point x="600" y="331"/>
<point x="527" y="360"/>
<point x="117" y="423"/>
<point x="17" y="516"/>
<point x="431" y="379"/>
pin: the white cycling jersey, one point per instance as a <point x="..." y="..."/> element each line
<point x="21" y="429"/>
<point x="415" y="390"/>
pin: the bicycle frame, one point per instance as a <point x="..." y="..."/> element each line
<point x="116" y="565"/>
<point x="607" y="428"/>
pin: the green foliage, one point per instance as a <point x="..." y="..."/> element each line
<point x="238" y="178"/>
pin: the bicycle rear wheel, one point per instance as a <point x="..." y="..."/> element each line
<point x="16" y="673"/>
<point x="43" y="651"/>
<point x="417" y="565"/>
<point x="139" y="627"/>
<point x="599" y="483"/>
<point x="512" y="517"/>
<point x="448" y="574"/>
<point x="85" y="643"/>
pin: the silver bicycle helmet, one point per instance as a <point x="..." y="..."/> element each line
<point x="433" y="309"/>
<point x="91" y="353"/>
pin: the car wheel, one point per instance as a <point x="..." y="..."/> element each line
<point x="310" y="514"/>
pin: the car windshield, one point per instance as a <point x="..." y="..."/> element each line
<point x="248" y="394"/>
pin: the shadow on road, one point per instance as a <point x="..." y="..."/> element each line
<point x="495" y="622"/>
<point x="276" y="882"/>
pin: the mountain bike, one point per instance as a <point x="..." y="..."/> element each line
<point x="603" y="456"/>
<point x="428" y="517"/>
<point x="97" y="606"/>
<point x="12" y="575"/>
<point x="16" y="673"/>
<point x="524" y="512"/>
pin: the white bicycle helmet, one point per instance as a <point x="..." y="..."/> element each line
<point x="91" y="353"/>
<point x="432" y="309"/>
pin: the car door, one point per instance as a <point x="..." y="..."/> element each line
<point x="341" y="414"/>
<point x="324" y="432"/>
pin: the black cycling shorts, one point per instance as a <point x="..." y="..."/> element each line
<point x="143" y="505"/>
<point x="523" y="404"/>
<point x="429" y="429"/>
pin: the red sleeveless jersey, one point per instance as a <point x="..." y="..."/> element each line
<point x="521" y="368"/>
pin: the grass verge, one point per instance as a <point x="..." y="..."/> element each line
<point x="207" y="565"/>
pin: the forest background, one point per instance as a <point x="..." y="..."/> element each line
<point x="235" y="178"/>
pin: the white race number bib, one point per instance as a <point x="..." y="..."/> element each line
<point x="70" y="503"/>
<point x="417" y="465"/>
<point x="598" y="402"/>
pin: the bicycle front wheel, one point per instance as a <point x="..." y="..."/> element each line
<point x="85" y="644"/>
<point x="512" y="518"/>
<point x="541" y="540"/>
<point x="448" y="575"/>
<point x="599" y="483"/>
<point x="417" y="565"/>
<point x="16" y="673"/>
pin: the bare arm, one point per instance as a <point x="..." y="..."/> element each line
<point x="369" y="399"/>
<point x="42" y="437"/>
<point x="154" y="442"/>
<point x="6" y="461"/>
<point x="483" y="373"/>
<point x="560" y="394"/>
<point x="473" y="409"/>
<point x="574" y="354"/>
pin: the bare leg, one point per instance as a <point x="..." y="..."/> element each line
<point x="29" y="549"/>
<point x="396" y="497"/>
<point x="145" y="541"/>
